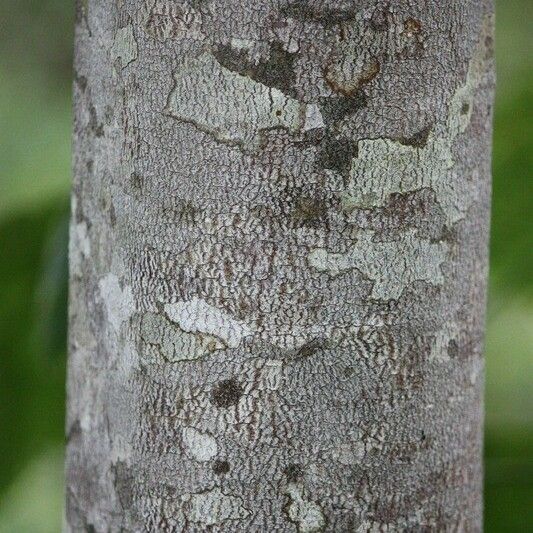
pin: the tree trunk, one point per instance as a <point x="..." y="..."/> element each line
<point x="278" y="265"/>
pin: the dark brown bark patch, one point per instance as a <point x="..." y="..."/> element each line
<point x="309" y="211"/>
<point x="380" y="19"/>
<point x="312" y="347"/>
<point x="336" y="108"/>
<point x="367" y="74"/>
<point x="294" y="473"/>
<point x="96" y="127"/>
<point x="226" y="393"/>
<point x="337" y="155"/>
<point x="277" y="71"/>
<point x="221" y="467"/>
<point x="419" y="139"/>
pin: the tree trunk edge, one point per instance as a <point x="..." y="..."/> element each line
<point x="278" y="265"/>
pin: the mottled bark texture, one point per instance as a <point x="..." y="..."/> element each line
<point x="278" y="265"/>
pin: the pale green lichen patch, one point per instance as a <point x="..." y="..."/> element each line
<point x="386" y="166"/>
<point x="176" y="345"/>
<point x="306" y="514"/>
<point x="201" y="446"/>
<point x="214" y="507"/>
<point x="197" y="316"/>
<point x="232" y="107"/>
<point x="392" y="266"/>
<point x="124" y="46"/>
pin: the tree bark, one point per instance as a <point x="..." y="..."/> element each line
<point x="278" y="265"/>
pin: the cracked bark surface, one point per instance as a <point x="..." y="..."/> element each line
<point x="278" y="265"/>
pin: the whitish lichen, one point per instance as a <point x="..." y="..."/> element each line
<point x="119" y="303"/>
<point x="242" y="44"/>
<point x="392" y="266"/>
<point x="232" y="107"/>
<point x="201" y="446"/>
<point x="313" y="118"/>
<point x="197" y="316"/>
<point x="124" y="46"/>
<point x="80" y="246"/>
<point x="175" y="344"/>
<point x="214" y="507"/>
<point x="306" y="514"/>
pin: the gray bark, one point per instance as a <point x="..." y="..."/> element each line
<point x="278" y="265"/>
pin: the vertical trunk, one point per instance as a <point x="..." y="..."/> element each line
<point x="278" y="265"/>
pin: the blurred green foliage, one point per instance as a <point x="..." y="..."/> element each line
<point x="35" y="74"/>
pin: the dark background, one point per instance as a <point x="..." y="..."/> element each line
<point x="35" y="101"/>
